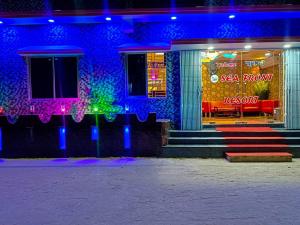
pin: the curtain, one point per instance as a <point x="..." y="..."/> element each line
<point x="292" y="88"/>
<point x="191" y="87"/>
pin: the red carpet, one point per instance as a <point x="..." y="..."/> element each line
<point x="253" y="138"/>
<point x="260" y="136"/>
<point x="258" y="154"/>
<point x="256" y="145"/>
<point x="245" y="129"/>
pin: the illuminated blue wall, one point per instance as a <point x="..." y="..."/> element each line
<point x="102" y="70"/>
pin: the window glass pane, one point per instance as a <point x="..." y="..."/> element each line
<point x="157" y="74"/>
<point x="136" y="74"/>
<point x="41" y="78"/>
<point x="66" y="77"/>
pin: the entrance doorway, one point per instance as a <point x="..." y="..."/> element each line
<point x="242" y="86"/>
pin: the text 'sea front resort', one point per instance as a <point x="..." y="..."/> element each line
<point x="214" y="79"/>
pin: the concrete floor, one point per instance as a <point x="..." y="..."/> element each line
<point x="148" y="191"/>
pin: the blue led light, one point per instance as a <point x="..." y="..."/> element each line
<point x="95" y="133"/>
<point x="62" y="138"/>
<point x="173" y="17"/>
<point x="0" y="139"/>
<point x="127" y="141"/>
<point x="232" y="16"/>
<point x="108" y="18"/>
<point x="1" y="22"/>
<point x="51" y="20"/>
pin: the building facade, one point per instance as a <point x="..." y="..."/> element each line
<point x="101" y="41"/>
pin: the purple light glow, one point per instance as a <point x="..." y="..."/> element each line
<point x="88" y="161"/>
<point x="60" y="160"/>
<point x="123" y="161"/>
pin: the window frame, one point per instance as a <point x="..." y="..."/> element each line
<point x="53" y="76"/>
<point x="146" y="74"/>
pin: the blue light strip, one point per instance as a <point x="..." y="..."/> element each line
<point x="0" y="139"/>
<point x="127" y="141"/>
<point x="62" y="138"/>
<point x="95" y="133"/>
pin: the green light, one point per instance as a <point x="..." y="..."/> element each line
<point x="96" y="109"/>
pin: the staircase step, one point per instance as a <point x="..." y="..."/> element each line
<point x="218" y="150"/>
<point x="214" y="133"/>
<point x="234" y="140"/>
<point x="259" y="156"/>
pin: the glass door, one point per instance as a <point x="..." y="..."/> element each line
<point x="242" y="87"/>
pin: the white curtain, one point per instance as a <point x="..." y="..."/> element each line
<point x="191" y="87"/>
<point x="292" y="88"/>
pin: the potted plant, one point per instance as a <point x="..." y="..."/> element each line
<point x="262" y="90"/>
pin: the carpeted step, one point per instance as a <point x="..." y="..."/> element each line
<point x="258" y="156"/>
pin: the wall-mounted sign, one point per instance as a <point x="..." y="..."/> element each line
<point x="230" y="78"/>
<point x="241" y="100"/>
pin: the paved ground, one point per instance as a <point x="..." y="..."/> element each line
<point x="148" y="191"/>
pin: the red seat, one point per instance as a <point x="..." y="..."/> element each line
<point x="268" y="106"/>
<point x="256" y="107"/>
<point x="206" y="107"/>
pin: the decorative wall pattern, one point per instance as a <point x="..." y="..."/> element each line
<point x="102" y="69"/>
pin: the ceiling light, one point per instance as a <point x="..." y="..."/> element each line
<point x="287" y="46"/>
<point x="108" y="18"/>
<point x="268" y="54"/>
<point x="248" y="46"/>
<point x="232" y="16"/>
<point x="51" y="20"/>
<point x="210" y="48"/>
<point x="173" y="17"/>
<point x="159" y="53"/>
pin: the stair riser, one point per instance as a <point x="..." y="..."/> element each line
<point x="273" y="125"/>
<point x="233" y="134"/>
<point x="231" y="141"/>
<point x="260" y="159"/>
<point x="219" y="152"/>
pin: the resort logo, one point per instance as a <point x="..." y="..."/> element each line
<point x="214" y="78"/>
<point x="230" y="78"/>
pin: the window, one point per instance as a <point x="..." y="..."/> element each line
<point x="157" y="74"/>
<point x="54" y="77"/>
<point x="146" y="73"/>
